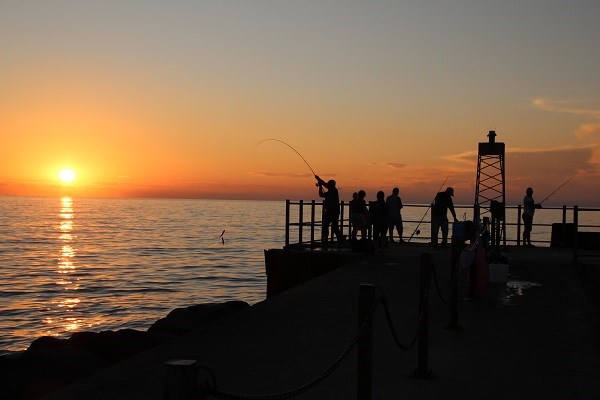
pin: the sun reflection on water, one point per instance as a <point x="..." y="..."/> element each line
<point x="66" y="269"/>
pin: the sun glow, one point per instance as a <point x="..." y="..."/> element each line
<point x="66" y="175"/>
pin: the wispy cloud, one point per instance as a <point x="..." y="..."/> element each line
<point x="566" y="107"/>
<point x="573" y="107"/>
<point x="588" y="130"/>
<point x="280" y="174"/>
<point x="388" y="164"/>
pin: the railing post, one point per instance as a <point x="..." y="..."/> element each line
<point x="563" y="227"/>
<point x="519" y="225"/>
<point x="181" y="380"/>
<point x="342" y="217"/>
<point x="364" y="361"/>
<point x="287" y="223"/>
<point x="425" y="266"/>
<point x="575" y="229"/>
<point x="300" y="221"/>
<point x="324" y="237"/>
<point x="312" y="223"/>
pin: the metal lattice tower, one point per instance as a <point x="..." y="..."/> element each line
<point x="490" y="188"/>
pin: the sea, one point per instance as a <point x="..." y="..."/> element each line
<point x="74" y="264"/>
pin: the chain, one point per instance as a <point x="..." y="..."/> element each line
<point x="390" y="323"/>
<point x="207" y="389"/>
<point x="301" y="389"/>
<point x="452" y="285"/>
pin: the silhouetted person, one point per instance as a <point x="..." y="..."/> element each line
<point x="379" y="218"/>
<point x="359" y="215"/>
<point x="529" y="207"/>
<point x="394" y="205"/>
<point x="439" y="219"/>
<point x="331" y="209"/>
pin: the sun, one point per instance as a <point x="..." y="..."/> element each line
<point x="66" y="175"/>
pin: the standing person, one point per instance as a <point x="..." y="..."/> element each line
<point x="359" y="215"/>
<point x="394" y="205"/>
<point x="439" y="218"/>
<point x="529" y="207"/>
<point x="331" y="209"/>
<point x="379" y="213"/>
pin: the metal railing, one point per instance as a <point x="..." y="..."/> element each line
<point x="303" y="223"/>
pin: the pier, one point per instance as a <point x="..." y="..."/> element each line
<point x="535" y="336"/>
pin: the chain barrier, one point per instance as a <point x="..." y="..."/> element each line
<point x="213" y="391"/>
<point x="210" y="388"/>
<point x="391" y="326"/>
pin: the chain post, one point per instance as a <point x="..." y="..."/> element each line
<point x="425" y="267"/>
<point x="364" y="361"/>
<point x="181" y="380"/>
<point x="456" y="248"/>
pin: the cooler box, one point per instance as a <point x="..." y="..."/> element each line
<point x="498" y="272"/>
<point x="462" y="229"/>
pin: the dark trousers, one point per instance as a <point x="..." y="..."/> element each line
<point x="439" y="222"/>
<point x="333" y="219"/>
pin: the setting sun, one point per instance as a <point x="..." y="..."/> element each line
<point x="66" y="175"/>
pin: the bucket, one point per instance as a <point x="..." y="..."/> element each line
<point x="498" y="272"/>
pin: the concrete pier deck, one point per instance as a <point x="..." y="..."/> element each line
<point x="535" y="337"/>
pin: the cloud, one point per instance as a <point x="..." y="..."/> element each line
<point x="466" y="158"/>
<point x="388" y="164"/>
<point x="587" y="130"/>
<point x="565" y="107"/>
<point x="280" y="174"/>
<point x="573" y="107"/>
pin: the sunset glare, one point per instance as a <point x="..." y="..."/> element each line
<point x="66" y="175"/>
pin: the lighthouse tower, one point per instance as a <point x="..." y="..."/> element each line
<point x="490" y="189"/>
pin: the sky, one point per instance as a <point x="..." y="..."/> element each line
<point x="171" y="99"/>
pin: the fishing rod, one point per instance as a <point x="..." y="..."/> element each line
<point x="557" y="189"/>
<point x="426" y="211"/>
<point x="295" y="151"/>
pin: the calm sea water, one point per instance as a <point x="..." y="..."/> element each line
<point x="71" y="265"/>
<point x="88" y="264"/>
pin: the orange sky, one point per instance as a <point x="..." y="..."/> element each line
<point x="164" y="101"/>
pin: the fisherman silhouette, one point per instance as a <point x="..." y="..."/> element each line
<point x="439" y="219"/>
<point x="394" y="205"/>
<point x="529" y="207"/>
<point x="359" y="215"/>
<point x="331" y="209"/>
<point x="379" y="218"/>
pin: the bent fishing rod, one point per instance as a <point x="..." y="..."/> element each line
<point x="426" y="211"/>
<point x="557" y="189"/>
<point x="295" y="151"/>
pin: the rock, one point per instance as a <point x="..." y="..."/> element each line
<point x="184" y="320"/>
<point x="50" y="363"/>
<point x="114" y="346"/>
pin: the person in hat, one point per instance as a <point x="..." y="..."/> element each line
<point x="439" y="219"/>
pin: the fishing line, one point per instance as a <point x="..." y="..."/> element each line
<point x="426" y="211"/>
<point x="288" y="145"/>
<point x="557" y="189"/>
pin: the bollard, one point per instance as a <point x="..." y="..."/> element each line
<point x="181" y="380"/>
<point x="423" y="370"/>
<point x="364" y="360"/>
